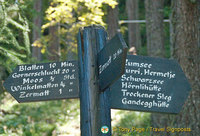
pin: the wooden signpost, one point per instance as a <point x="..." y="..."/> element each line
<point x="47" y="81"/>
<point x="111" y="61"/>
<point x="149" y="84"/>
<point x="96" y="60"/>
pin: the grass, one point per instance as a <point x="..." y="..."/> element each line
<point x="59" y="118"/>
<point x="39" y="118"/>
<point x="129" y="123"/>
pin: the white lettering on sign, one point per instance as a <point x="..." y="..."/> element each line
<point x="52" y="65"/>
<point x="111" y="58"/>
<point x="146" y="104"/>
<point x="143" y="86"/>
<point x="141" y="80"/>
<point x="35" y="94"/>
<point x="162" y="96"/>
<point x="29" y="68"/>
<point x="130" y="85"/>
<point x="137" y="94"/>
<point x="105" y="65"/>
<point x="36" y="74"/>
<point x="168" y="74"/>
<point x="33" y="87"/>
<point x="32" y="82"/>
<point x="67" y="64"/>
<point x="136" y="64"/>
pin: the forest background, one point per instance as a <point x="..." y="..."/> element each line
<point x="35" y="31"/>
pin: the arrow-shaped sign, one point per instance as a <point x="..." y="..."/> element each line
<point x="47" y="81"/>
<point x="150" y="84"/>
<point x="111" y="61"/>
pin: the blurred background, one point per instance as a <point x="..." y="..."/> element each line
<point x="35" y="31"/>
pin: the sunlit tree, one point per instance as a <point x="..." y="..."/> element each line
<point x="70" y="15"/>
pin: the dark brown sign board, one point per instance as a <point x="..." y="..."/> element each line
<point x="46" y="81"/>
<point x="150" y="84"/>
<point x="111" y="61"/>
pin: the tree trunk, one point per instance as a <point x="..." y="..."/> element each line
<point x="154" y="27"/>
<point x="112" y="20"/>
<point x="133" y="28"/>
<point x="199" y="22"/>
<point x="185" y="36"/>
<point x="37" y="22"/>
<point x="54" y="44"/>
<point x="185" y="22"/>
<point x="155" y="43"/>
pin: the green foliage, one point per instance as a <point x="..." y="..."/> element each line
<point x="131" y="120"/>
<point x="37" y="119"/>
<point x="70" y="15"/>
<point x="14" y="38"/>
<point x="84" y="12"/>
<point x="122" y="10"/>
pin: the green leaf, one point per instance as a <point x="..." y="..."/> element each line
<point x="13" y="39"/>
<point x="14" y="53"/>
<point x="17" y="25"/>
<point x="27" y="42"/>
<point x="13" y="56"/>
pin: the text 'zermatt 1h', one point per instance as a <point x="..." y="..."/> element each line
<point x="47" y="81"/>
<point x="111" y="61"/>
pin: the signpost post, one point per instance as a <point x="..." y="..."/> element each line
<point x="149" y="84"/>
<point x="95" y="71"/>
<point x="89" y="89"/>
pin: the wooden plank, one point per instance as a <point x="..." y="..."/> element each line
<point x="44" y="81"/>
<point x="111" y="61"/>
<point x="90" y="98"/>
<point x="150" y="84"/>
<point x="105" y="112"/>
